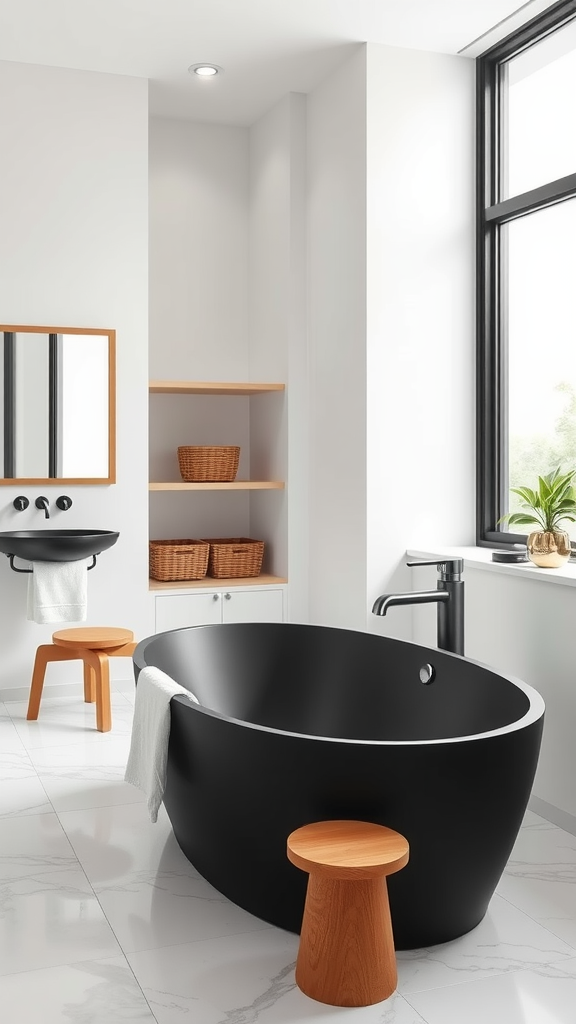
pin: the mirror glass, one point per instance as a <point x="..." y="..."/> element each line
<point x="58" y="394"/>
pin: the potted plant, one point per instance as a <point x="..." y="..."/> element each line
<point x="553" y="503"/>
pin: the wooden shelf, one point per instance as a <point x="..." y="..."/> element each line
<point x="208" y="582"/>
<point x="232" y="485"/>
<point x="196" y="387"/>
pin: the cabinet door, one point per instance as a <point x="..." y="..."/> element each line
<point x="181" y="610"/>
<point x="252" y="606"/>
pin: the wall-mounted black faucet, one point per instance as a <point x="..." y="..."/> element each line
<point x="449" y="596"/>
<point x="43" y="502"/>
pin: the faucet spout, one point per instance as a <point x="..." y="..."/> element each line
<point x="386" y="601"/>
<point x="449" y="598"/>
<point x="43" y="503"/>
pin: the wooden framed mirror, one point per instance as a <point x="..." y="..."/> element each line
<point x="58" y="388"/>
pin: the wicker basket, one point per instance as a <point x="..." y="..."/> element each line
<point x="208" y="464"/>
<point x="235" y="556"/>
<point x="178" y="559"/>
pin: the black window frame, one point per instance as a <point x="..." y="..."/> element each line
<point x="491" y="293"/>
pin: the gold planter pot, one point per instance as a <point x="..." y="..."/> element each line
<point x="549" y="549"/>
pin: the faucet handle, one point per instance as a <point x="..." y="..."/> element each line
<point x="449" y="568"/>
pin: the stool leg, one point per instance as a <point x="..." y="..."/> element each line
<point x="98" y="661"/>
<point x="346" y="955"/>
<point x="44" y="654"/>
<point x="89" y="684"/>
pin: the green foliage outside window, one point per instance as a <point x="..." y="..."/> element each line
<point x="531" y="457"/>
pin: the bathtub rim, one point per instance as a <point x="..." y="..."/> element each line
<point x="534" y="713"/>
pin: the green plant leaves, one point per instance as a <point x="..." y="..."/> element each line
<point x="551" y="504"/>
<point x="521" y="519"/>
<point x="528" y="496"/>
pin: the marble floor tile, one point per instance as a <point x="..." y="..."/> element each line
<point x="245" y="979"/>
<point x="90" y="992"/>
<point x="51" y="918"/>
<point x="65" y="720"/>
<point x="23" y="796"/>
<point x="112" y="843"/>
<point x="66" y="706"/>
<point x="540" y="878"/>
<point x="50" y="706"/>
<point x="126" y="687"/>
<point x="538" y="995"/>
<point x="16" y="765"/>
<point x="34" y="844"/>
<point x="535" y="821"/>
<point x="155" y="908"/>
<point x="91" y="775"/>
<point x="9" y="738"/>
<point x="506" y="940"/>
<point x="540" y="833"/>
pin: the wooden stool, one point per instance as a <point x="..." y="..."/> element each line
<point x="93" y="645"/>
<point x="346" y="955"/>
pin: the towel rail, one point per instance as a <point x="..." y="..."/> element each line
<point x="13" y="567"/>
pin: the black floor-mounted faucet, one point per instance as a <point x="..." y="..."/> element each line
<point x="449" y="596"/>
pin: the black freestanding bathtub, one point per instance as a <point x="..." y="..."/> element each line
<point x="299" y="723"/>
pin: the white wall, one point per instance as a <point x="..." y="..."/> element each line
<point x="198" y="251"/>
<point x="198" y="313"/>
<point x="336" y="146"/>
<point x="74" y="252"/>
<point x="420" y="335"/>
<point x="391" y="248"/>
<point x="278" y="341"/>
<point x="526" y="628"/>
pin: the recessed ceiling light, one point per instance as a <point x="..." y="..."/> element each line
<point x="205" y="70"/>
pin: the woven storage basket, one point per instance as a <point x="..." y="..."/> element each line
<point x="208" y="464"/>
<point x="178" y="559"/>
<point x="235" y="556"/>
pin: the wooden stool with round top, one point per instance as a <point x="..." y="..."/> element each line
<point x="93" y="645"/>
<point x="346" y="955"/>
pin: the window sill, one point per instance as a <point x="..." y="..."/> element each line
<point x="480" y="558"/>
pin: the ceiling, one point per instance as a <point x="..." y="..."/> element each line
<point x="266" y="47"/>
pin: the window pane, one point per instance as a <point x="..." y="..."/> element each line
<point x="542" y="344"/>
<point x="542" y="112"/>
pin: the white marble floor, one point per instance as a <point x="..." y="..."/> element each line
<point x="103" y="920"/>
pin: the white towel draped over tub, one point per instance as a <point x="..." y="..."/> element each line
<point x="57" y="591"/>
<point x="146" y="767"/>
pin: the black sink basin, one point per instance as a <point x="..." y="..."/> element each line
<point x="56" y="545"/>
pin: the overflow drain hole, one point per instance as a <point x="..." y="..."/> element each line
<point x="427" y="673"/>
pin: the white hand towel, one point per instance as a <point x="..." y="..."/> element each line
<point x="57" y="591"/>
<point x="147" y="760"/>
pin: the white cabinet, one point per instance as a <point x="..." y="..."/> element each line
<point x="252" y="606"/>
<point x="175" y="611"/>
<point x="181" y="610"/>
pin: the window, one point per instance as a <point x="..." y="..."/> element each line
<point x="526" y="263"/>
